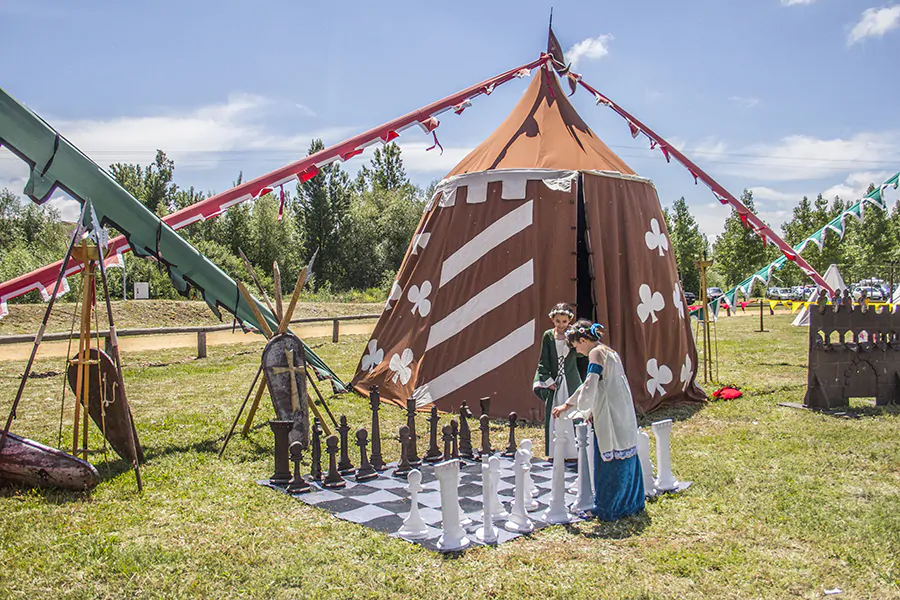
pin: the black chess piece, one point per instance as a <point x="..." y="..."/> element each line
<point x="511" y="448"/>
<point x="345" y="467"/>
<point x="486" y="449"/>
<point x="366" y="471"/>
<point x="447" y="438"/>
<point x="403" y="467"/>
<point x="333" y="480"/>
<point x="376" y="459"/>
<point x="465" y="434"/>
<point x="434" y="451"/>
<point x="315" y="470"/>
<point x="297" y="485"/>
<point x="485" y="406"/>
<point x="454" y="429"/>
<point x="412" y="451"/>
<point x="281" y="430"/>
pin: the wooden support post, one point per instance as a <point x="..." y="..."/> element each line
<point x="201" y="344"/>
<point x="335" y="331"/>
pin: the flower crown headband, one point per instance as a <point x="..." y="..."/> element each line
<point x="593" y="330"/>
<point x="561" y="311"/>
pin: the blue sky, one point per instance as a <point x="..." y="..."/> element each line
<point x="786" y="97"/>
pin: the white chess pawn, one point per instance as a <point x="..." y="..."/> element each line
<point x="584" y="498"/>
<point x="531" y="502"/>
<point x="487" y="533"/>
<point x="414" y="527"/>
<point x="557" y="512"/>
<point x="643" y="448"/>
<point x="518" y="520"/>
<point x="665" y="480"/>
<point x="453" y="536"/>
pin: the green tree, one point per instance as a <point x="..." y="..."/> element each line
<point x="152" y="185"/>
<point x="739" y="252"/>
<point x="687" y="243"/>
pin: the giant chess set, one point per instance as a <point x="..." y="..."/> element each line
<point x="452" y="498"/>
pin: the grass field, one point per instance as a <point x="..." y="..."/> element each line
<point x="785" y="503"/>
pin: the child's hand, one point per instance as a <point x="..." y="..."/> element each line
<point x="552" y="386"/>
<point x="559" y="410"/>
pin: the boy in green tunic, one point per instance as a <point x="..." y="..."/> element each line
<point x="557" y="374"/>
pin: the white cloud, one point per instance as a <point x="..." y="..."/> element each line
<point x="761" y="192"/>
<point x="800" y="157"/>
<point x="875" y="22"/>
<point x="417" y="160"/>
<point x="68" y="208"/>
<point x="744" y="101"/>
<point x="855" y="185"/>
<point x="590" y="49"/>
<point x="795" y="2"/>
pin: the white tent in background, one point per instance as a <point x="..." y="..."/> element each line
<point x="896" y="297"/>
<point x="833" y="278"/>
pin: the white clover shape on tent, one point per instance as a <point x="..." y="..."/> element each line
<point x="400" y="366"/>
<point x="658" y="377"/>
<point x="419" y="298"/>
<point x="396" y="294"/>
<point x="686" y="370"/>
<point x="656" y="239"/>
<point x="651" y="303"/>
<point x="420" y="241"/>
<point x="373" y="357"/>
<point x="677" y="300"/>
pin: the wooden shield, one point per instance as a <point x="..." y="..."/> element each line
<point x="114" y="421"/>
<point x="284" y="364"/>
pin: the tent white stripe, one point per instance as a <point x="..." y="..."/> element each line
<point x="492" y="236"/>
<point x="488" y="299"/>
<point x="482" y="363"/>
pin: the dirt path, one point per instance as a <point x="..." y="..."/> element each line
<point x="183" y="340"/>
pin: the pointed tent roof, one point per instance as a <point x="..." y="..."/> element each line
<point x="543" y="132"/>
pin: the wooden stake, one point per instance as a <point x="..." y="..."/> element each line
<point x="295" y="296"/>
<point x="263" y="325"/>
<point x="253" y="276"/>
<point x="276" y="275"/>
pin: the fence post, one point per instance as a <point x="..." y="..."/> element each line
<point x="201" y="344"/>
<point x="335" y="331"/>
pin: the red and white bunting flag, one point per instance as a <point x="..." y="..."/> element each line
<point x="601" y="99"/>
<point x="281" y="204"/>
<point x="436" y="144"/>
<point x="348" y="155"/>
<point x="635" y="130"/>
<point x="389" y="136"/>
<point x="459" y="108"/>
<point x="488" y="89"/>
<point x="694" y="175"/>
<point x="308" y="174"/>
<point x="523" y="73"/>
<point x="665" y="151"/>
<point x="653" y="144"/>
<point x="429" y="124"/>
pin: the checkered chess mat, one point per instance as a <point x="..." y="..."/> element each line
<point x="383" y="503"/>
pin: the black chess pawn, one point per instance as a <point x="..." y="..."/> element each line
<point x="486" y="449"/>
<point x="485" y="406"/>
<point x="511" y="448"/>
<point x="376" y="459"/>
<point x="454" y="429"/>
<point x="434" y="451"/>
<point x="403" y="467"/>
<point x="465" y="434"/>
<point x="345" y="467"/>
<point x="333" y="480"/>
<point x="413" y="450"/>
<point x="366" y="471"/>
<point x="447" y="438"/>
<point x="297" y="485"/>
<point x="315" y="470"/>
<point x="281" y="430"/>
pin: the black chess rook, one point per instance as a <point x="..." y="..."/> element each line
<point x="281" y="430"/>
<point x="485" y="406"/>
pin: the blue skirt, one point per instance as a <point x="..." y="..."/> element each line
<point x="618" y="487"/>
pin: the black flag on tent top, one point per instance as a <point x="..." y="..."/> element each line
<point x="559" y="60"/>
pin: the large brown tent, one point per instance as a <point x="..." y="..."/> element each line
<point x="541" y="212"/>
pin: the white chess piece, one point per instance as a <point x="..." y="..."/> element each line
<point x="453" y="536"/>
<point x="518" y="520"/>
<point x="584" y="498"/>
<point x="414" y="527"/>
<point x="643" y="448"/>
<point x="665" y="480"/>
<point x="592" y="442"/>
<point x="531" y="503"/>
<point x="557" y="512"/>
<point x="487" y="533"/>
<point x="497" y="508"/>
<point x="464" y="519"/>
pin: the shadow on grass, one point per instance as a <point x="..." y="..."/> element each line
<point x="677" y="412"/>
<point x="50" y="495"/>
<point x="613" y="530"/>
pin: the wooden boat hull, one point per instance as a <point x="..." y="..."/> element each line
<point x="30" y="463"/>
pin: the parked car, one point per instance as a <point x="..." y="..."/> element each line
<point x="779" y="294"/>
<point x="872" y="293"/>
<point x="713" y="293"/>
<point x="690" y="298"/>
<point x="798" y="292"/>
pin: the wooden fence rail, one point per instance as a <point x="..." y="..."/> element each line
<point x="200" y="330"/>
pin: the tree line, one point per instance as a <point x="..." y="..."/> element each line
<point x="359" y="229"/>
<point x="867" y="250"/>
